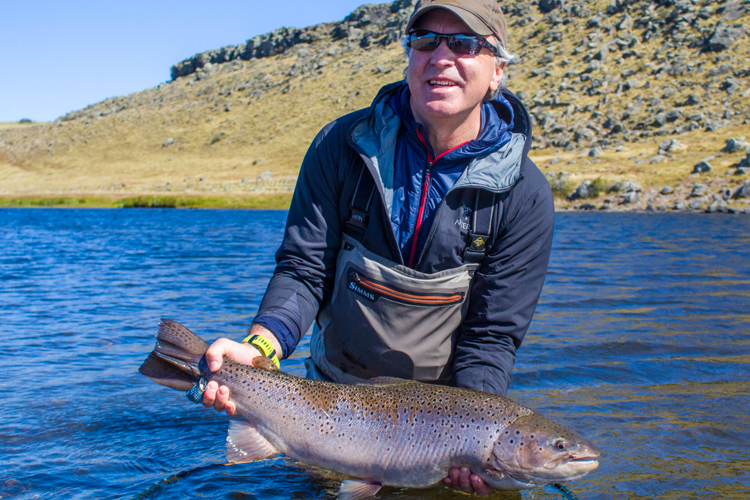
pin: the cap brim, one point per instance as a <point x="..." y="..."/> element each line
<point x="470" y="19"/>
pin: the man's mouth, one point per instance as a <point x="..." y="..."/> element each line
<point x="442" y="83"/>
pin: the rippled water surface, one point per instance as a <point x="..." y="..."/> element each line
<point x="641" y="341"/>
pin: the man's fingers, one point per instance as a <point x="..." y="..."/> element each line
<point x="222" y="396"/>
<point x="464" y="480"/>
<point x="215" y="354"/>
<point x="480" y="487"/>
<point x="209" y="395"/>
<point x="231" y="409"/>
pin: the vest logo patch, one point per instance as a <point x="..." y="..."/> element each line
<point x="353" y="286"/>
<point x="478" y="243"/>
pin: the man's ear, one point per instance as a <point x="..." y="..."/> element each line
<point x="497" y="77"/>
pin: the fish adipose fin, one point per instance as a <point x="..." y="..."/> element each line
<point x="354" y="489"/>
<point x="245" y="444"/>
<point x="388" y="381"/>
<point x="174" y="360"/>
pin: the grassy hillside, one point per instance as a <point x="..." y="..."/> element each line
<point x="605" y="89"/>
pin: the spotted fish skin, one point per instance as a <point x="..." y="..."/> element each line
<point x="401" y="434"/>
<point x="390" y="431"/>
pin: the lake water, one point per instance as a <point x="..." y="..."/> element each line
<point x="641" y="341"/>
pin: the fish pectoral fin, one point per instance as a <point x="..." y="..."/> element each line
<point x="388" y="381"/>
<point x="245" y="443"/>
<point x="354" y="489"/>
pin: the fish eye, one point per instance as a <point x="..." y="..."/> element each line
<point x="560" y="445"/>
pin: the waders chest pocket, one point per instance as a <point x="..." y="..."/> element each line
<point x="373" y="290"/>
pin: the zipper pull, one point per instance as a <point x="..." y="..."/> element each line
<point x="355" y="277"/>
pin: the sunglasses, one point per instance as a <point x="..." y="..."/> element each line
<point x="427" y="41"/>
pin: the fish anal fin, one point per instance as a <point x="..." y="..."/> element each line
<point x="354" y="489"/>
<point x="388" y="381"/>
<point x="245" y="443"/>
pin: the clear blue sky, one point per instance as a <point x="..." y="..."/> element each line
<point x="59" y="56"/>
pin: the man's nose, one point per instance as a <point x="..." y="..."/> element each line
<point x="443" y="55"/>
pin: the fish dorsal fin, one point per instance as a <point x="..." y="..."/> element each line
<point x="354" y="489"/>
<point x="388" y="381"/>
<point x="245" y="444"/>
<point x="263" y="363"/>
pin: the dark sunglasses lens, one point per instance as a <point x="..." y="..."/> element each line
<point x="464" y="45"/>
<point x="424" y="42"/>
<point x="460" y="44"/>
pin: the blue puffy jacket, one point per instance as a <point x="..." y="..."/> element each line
<point x="507" y="285"/>
<point x="422" y="178"/>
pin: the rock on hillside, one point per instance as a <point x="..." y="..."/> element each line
<point x="597" y="76"/>
<point x="593" y="73"/>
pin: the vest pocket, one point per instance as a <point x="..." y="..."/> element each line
<point x="372" y="290"/>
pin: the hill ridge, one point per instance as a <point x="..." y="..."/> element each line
<point x="607" y="83"/>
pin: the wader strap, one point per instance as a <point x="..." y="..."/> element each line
<point x="360" y="205"/>
<point x="481" y="227"/>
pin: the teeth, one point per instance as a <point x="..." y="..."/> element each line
<point x="441" y="83"/>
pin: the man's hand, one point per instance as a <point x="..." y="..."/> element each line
<point x="218" y="396"/>
<point x="463" y="480"/>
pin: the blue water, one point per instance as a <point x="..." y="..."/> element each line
<point x="641" y="341"/>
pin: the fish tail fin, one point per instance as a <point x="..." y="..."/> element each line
<point x="174" y="360"/>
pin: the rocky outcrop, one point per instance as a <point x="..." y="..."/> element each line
<point x="370" y="24"/>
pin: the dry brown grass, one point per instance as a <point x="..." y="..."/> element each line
<point x="255" y="148"/>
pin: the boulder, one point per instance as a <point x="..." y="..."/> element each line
<point x="731" y="11"/>
<point x="628" y="198"/>
<point x="695" y="204"/>
<point x="701" y="167"/>
<point x="699" y="190"/>
<point x="167" y="143"/>
<point x="743" y="191"/>
<point x="585" y="190"/>
<point x="625" y="23"/>
<point x="734" y="145"/>
<point x="718" y="205"/>
<point x="625" y="187"/>
<point x="546" y="6"/>
<point x="723" y="37"/>
<point x="666" y="190"/>
<point x="657" y="159"/>
<point x="670" y="146"/>
<point x="723" y="69"/>
<point x="692" y="100"/>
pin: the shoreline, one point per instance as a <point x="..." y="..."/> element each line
<point x="266" y="202"/>
<point x="282" y="202"/>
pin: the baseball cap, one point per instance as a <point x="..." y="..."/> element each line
<point x="484" y="17"/>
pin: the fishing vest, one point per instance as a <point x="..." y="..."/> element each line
<point x="386" y="319"/>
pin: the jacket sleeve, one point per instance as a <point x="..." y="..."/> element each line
<point x="306" y="260"/>
<point x="504" y="295"/>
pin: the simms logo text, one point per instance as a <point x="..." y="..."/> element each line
<point x="353" y="286"/>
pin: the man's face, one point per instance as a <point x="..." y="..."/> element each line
<point x="444" y="84"/>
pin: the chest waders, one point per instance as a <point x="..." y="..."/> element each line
<point x="385" y="319"/>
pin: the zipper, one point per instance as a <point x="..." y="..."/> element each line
<point x="424" y="300"/>
<point x="425" y="187"/>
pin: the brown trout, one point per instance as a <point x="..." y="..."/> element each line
<point x="388" y="432"/>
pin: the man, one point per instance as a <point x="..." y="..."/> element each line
<point x="419" y="232"/>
